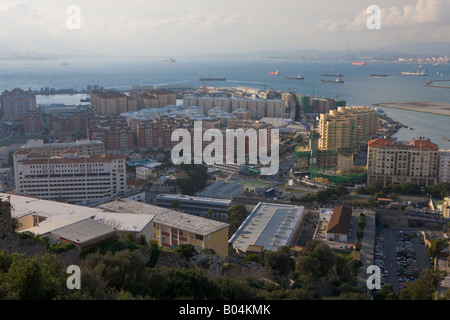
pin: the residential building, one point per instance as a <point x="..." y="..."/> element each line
<point x="82" y="147"/>
<point x="444" y="166"/>
<point x="339" y="224"/>
<point x="16" y="104"/>
<point x="347" y="127"/>
<point x="270" y="226"/>
<point x="32" y="123"/>
<point x="75" y="123"/>
<point x="112" y="102"/>
<point x="154" y="98"/>
<point x="70" y="176"/>
<point x="395" y="162"/>
<point x="173" y="228"/>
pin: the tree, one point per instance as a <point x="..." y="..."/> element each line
<point x="280" y="262"/>
<point x="326" y="257"/>
<point x="424" y="287"/>
<point x="437" y="245"/>
<point x="187" y="250"/>
<point x="236" y="215"/>
<point x="308" y="268"/>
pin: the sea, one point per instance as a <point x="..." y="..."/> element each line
<point x="358" y="87"/>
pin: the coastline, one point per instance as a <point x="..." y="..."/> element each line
<point x="438" y="108"/>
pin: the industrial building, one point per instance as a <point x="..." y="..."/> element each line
<point x="269" y="226"/>
<point x="195" y="205"/>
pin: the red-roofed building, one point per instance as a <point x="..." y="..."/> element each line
<point x="339" y="224"/>
<point x="393" y="162"/>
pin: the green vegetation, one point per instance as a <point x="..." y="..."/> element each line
<point x="439" y="190"/>
<point x="236" y="215"/>
<point x="332" y="193"/>
<point x="195" y="180"/>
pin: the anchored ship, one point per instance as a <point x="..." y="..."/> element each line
<point x="339" y="75"/>
<point x="378" y="75"/>
<point x="274" y="72"/>
<point x="418" y="73"/>
<point x="338" y="80"/>
<point x="359" y="63"/>
<point x="298" y="77"/>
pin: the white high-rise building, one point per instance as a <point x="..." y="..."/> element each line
<point x="70" y="177"/>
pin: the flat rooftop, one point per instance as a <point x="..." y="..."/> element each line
<point x="172" y="218"/>
<point x="269" y="225"/>
<point x="200" y="200"/>
<point x="23" y="205"/>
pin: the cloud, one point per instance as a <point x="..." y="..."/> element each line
<point x="422" y="12"/>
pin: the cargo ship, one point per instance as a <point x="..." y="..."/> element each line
<point x="418" y="73"/>
<point x="275" y="72"/>
<point x="338" y="80"/>
<point x="359" y="63"/>
<point x="212" y="79"/>
<point x="339" y="75"/>
<point x="378" y="75"/>
<point x="298" y="77"/>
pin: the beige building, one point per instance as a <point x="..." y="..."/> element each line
<point x="347" y="127"/>
<point x="16" y="104"/>
<point x="112" y="102"/>
<point x="444" y="166"/>
<point x="393" y="162"/>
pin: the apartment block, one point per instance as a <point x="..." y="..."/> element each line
<point x="347" y="127"/>
<point x="112" y="102"/>
<point x="16" y="104"/>
<point x="173" y="228"/>
<point x="444" y="166"/>
<point x="70" y="177"/>
<point x="32" y="123"/>
<point x="395" y="162"/>
<point x="73" y="123"/>
<point x="155" y="98"/>
<point x="257" y="108"/>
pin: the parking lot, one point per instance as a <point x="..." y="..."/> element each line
<point x="401" y="255"/>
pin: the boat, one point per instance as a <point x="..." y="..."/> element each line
<point x="418" y="73"/>
<point x="445" y="138"/>
<point x="378" y="75"/>
<point x="338" y="80"/>
<point x="298" y="77"/>
<point x="339" y="75"/>
<point x="359" y="63"/>
<point x="275" y="72"/>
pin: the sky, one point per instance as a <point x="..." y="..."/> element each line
<point x="174" y="27"/>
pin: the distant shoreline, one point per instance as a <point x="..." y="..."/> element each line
<point x="438" y="108"/>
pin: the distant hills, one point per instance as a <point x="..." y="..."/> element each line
<point x="405" y="50"/>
